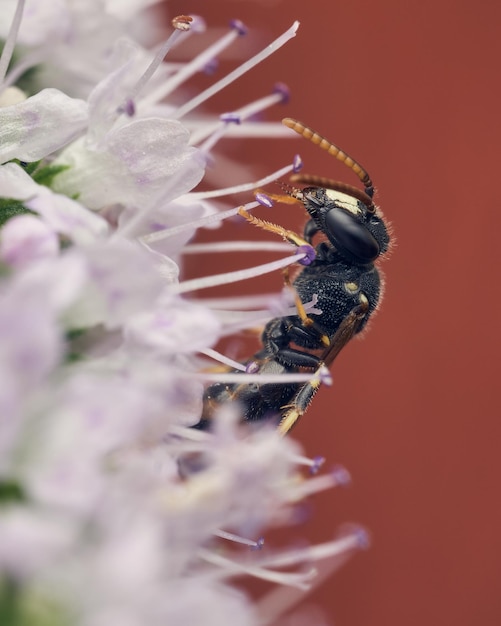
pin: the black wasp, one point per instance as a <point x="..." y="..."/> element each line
<point x="342" y="277"/>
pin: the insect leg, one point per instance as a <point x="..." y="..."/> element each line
<point x="306" y="321"/>
<point x="306" y="393"/>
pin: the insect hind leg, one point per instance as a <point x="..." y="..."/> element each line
<point x="299" y="405"/>
<point x="302" y="399"/>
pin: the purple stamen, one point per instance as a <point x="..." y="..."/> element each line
<point x="265" y="200"/>
<point x="231" y="118"/>
<point x="297" y="164"/>
<point x="239" y="26"/>
<point x="357" y="533"/>
<point x="318" y="461"/>
<point x="210" y="67"/>
<point x="341" y="475"/>
<point x="363" y="538"/>
<point x="252" y="367"/>
<point x="259" y="544"/>
<point x="309" y="252"/>
<point x="325" y="376"/>
<point x="129" y="107"/>
<point x="283" y="90"/>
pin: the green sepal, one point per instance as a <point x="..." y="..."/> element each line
<point x="20" y="606"/>
<point x="11" y="491"/>
<point x="10" y="208"/>
<point x="46" y="174"/>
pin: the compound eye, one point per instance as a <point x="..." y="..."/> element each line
<point x="350" y="236"/>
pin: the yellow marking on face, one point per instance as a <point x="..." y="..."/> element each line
<point x="344" y="200"/>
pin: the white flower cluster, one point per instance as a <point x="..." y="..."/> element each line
<point x="99" y="360"/>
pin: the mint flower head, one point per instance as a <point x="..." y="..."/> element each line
<point x="112" y="509"/>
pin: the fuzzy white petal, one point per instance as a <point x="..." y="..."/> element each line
<point x="125" y="9"/>
<point x="62" y="214"/>
<point x="133" y="168"/>
<point x="68" y="217"/>
<point x="26" y="239"/>
<point x="41" y="20"/>
<point x="41" y="124"/>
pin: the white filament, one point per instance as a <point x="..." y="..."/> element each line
<point x="239" y="71"/>
<point x="11" y="40"/>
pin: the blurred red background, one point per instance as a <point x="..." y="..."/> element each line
<point x="412" y="91"/>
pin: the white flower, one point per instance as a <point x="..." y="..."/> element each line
<point x="26" y="239"/>
<point x="132" y="167"/>
<point x="112" y="509"/>
<point x="69" y="41"/>
<point x="37" y="126"/>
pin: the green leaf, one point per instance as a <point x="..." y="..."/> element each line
<point x="29" y="168"/>
<point x="9" y="208"/>
<point x="11" y="491"/>
<point x="20" y="606"/>
<point x="45" y="175"/>
<point x="9" y="602"/>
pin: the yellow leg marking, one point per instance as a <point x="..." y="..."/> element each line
<point x="297" y="300"/>
<point x="288" y="235"/>
<point x="294" y="413"/>
<point x="288" y="421"/>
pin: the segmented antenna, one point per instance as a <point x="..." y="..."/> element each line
<point x="332" y="149"/>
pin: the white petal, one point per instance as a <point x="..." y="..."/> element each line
<point x="110" y="93"/>
<point x="177" y="327"/>
<point x="125" y="9"/>
<point x="42" y="21"/>
<point x="62" y="214"/>
<point x="25" y="239"/>
<point x="16" y="183"/>
<point x="122" y="281"/>
<point x="60" y="280"/>
<point x="138" y="162"/>
<point x="30" y="338"/>
<point x="43" y="123"/>
<point x="41" y="538"/>
<point x="68" y="217"/>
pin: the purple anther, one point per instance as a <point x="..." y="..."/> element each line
<point x="297" y="164"/>
<point x="283" y="91"/>
<point x="252" y="367"/>
<point x="308" y="251"/>
<point x="259" y="544"/>
<point x="263" y="199"/>
<point x="318" y="461"/>
<point x="341" y="475"/>
<point x="363" y="538"/>
<point x="325" y="376"/>
<point x="210" y="67"/>
<point x="239" y="26"/>
<point x="356" y="533"/>
<point x="129" y="107"/>
<point x="231" y="118"/>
